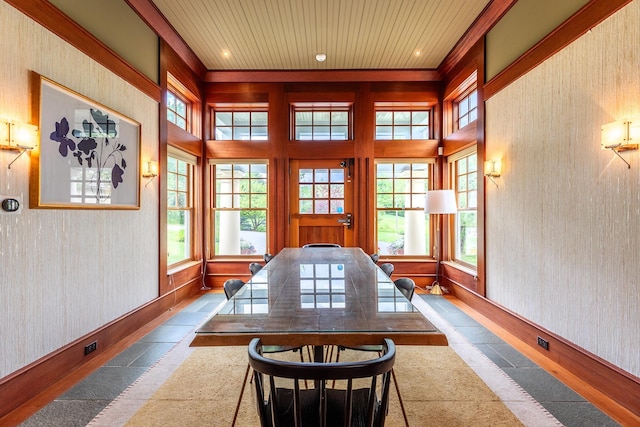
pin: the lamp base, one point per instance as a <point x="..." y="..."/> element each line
<point x="436" y="289"/>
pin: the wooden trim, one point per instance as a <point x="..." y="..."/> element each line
<point x="612" y="381"/>
<point x="150" y="14"/>
<point x="297" y="76"/>
<point x="582" y="21"/>
<point x="60" y="24"/>
<point x="487" y="19"/>
<point x="24" y="384"/>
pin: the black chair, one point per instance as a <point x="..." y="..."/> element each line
<point x="388" y="268"/>
<point x="322" y="245"/>
<point x="267" y="257"/>
<point x="375" y="258"/>
<point x="406" y="285"/>
<point x="254" y="267"/>
<point x="232" y="286"/>
<point x="321" y="406"/>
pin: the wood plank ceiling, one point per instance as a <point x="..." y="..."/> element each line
<point x="353" y="34"/>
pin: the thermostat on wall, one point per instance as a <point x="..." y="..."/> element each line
<point x="10" y="204"/>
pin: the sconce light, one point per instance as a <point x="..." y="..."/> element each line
<point x="150" y="171"/>
<point x="621" y="136"/>
<point x="15" y="136"/>
<point x="493" y="169"/>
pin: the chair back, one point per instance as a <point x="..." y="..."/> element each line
<point x="388" y="268"/>
<point x="321" y="245"/>
<point x="375" y="258"/>
<point x="322" y="404"/>
<point x="267" y="257"/>
<point x="254" y="267"/>
<point x="232" y="286"/>
<point x="406" y="285"/>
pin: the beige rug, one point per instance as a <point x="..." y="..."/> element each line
<point x="440" y="386"/>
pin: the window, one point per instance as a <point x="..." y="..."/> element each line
<point x="465" y="172"/>
<point x="180" y="171"/>
<point x="239" y="204"/>
<point x="402" y="227"/>
<point x="402" y="124"/>
<point x="321" y="191"/>
<point x="322" y="123"/>
<point x="241" y="125"/>
<point x="177" y="109"/>
<point x="466" y="109"/>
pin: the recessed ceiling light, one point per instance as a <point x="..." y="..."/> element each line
<point x="226" y="53"/>
<point x="417" y="52"/>
<point x="321" y="57"/>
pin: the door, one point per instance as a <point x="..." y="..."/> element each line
<point x="321" y="203"/>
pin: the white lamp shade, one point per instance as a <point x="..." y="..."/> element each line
<point x="440" y="202"/>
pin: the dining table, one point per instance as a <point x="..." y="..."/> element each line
<point x="318" y="296"/>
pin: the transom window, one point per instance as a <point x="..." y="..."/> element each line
<point x="177" y="110"/>
<point x="402" y="227"/>
<point x="239" y="204"/>
<point x="465" y="171"/>
<point x="402" y="124"/>
<point x="180" y="171"/>
<point x="322" y="123"/>
<point x="241" y="125"/>
<point x="321" y="191"/>
<point x="467" y="108"/>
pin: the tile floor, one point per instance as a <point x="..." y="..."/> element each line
<point x="85" y="400"/>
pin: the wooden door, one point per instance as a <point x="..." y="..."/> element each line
<point x="321" y="202"/>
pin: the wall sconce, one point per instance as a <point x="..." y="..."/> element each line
<point x="15" y="136"/>
<point x="620" y="136"/>
<point x="150" y="171"/>
<point x="493" y="169"/>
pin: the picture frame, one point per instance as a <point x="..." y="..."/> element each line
<point x="88" y="155"/>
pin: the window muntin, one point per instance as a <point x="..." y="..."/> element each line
<point x="321" y="191"/>
<point x="466" y="232"/>
<point x="241" y="125"/>
<point x="239" y="205"/>
<point x="407" y="124"/>
<point x="467" y="109"/>
<point x="402" y="227"/>
<point x="180" y="213"/>
<point x="331" y="123"/>
<point x="177" y="110"/>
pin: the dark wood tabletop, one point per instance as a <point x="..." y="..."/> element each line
<point x="319" y="296"/>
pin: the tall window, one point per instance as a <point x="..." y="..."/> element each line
<point x="466" y="108"/>
<point x="180" y="170"/>
<point x="241" y="125"/>
<point x="239" y="205"/>
<point x="402" y="124"/>
<point x="322" y="123"/>
<point x="402" y="227"/>
<point x="465" y="172"/>
<point x="177" y="109"/>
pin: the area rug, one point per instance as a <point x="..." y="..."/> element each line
<point x="439" y="386"/>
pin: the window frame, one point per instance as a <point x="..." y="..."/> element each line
<point x="192" y="164"/>
<point x="429" y="234"/>
<point x="464" y="97"/>
<point x="240" y="109"/>
<point x="187" y="114"/>
<point x="213" y="209"/>
<point x="393" y="110"/>
<point x="322" y="107"/>
<point x="453" y="159"/>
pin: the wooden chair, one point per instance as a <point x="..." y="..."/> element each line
<point x="254" y="267"/>
<point x="406" y="285"/>
<point x="322" y="245"/>
<point x="321" y="406"/>
<point x="388" y="268"/>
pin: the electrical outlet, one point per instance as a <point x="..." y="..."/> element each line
<point x="543" y="343"/>
<point x="90" y="348"/>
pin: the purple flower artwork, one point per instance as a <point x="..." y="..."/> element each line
<point x="96" y="146"/>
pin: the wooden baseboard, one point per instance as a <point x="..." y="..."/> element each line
<point x="619" y="386"/>
<point x="24" y="384"/>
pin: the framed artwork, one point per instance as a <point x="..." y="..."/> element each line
<point x="88" y="156"/>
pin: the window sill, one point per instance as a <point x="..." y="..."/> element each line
<point x="181" y="267"/>
<point x="463" y="268"/>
